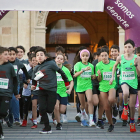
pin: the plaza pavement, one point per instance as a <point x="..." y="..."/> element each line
<point x="72" y="131"/>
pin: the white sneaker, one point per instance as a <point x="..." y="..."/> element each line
<point x="78" y="117"/>
<point x="1" y="137"/>
<point x="64" y="118"/>
<point x="91" y="123"/>
<point x="54" y="122"/>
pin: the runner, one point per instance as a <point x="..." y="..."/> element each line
<point x="62" y="92"/>
<point x="83" y="71"/>
<point x="45" y="73"/>
<point x="8" y="85"/>
<point x="107" y="92"/>
<point x="130" y="67"/>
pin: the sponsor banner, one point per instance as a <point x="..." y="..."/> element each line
<point x="53" y="5"/>
<point x="124" y="12"/>
<point x="3" y="13"/>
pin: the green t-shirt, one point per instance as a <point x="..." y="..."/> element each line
<point x="61" y="88"/>
<point x="128" y="72"/>
<point x="106" y="73"/>
<point x="84" y="80"/>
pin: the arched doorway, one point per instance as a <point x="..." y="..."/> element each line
<point x="97" y="24"/>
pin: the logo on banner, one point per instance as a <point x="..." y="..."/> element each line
<point x="118" y="17"/>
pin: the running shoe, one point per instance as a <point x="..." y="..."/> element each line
<point x="34" y="126"/>
<point x="91" y="123"/>
<point x="100" y="124"/>
<point x="78" y="117"/>
<point x="132" y="127"/>
<point x="111" y="128"/>
<point x="124" y="123"/>
<point x="24" y="123"/>
<point x="84" y="123"/>
<point x="64" y="118"/>
<point x="115" y="111"/>
<point x="59" y="126"/>
<point x="114" y="120"/>
<point x="1" y="132"/>
<point x="46" y="130"/>
<point x="54" y="122"/>
<point x="138" y="122"/>
<point x="124" y="115"/>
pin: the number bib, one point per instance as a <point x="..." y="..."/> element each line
<point x="15" y="68"/>
<point x="86" y="74"/>
<point x="4" y="83"/>
<point x="107" y="76"/>
<point x="59" y="77"/>
<point x="128" y="75"/>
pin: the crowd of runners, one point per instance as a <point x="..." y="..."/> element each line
<point x="40" y="86"/>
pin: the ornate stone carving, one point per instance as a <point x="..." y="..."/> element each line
<point x="41" y="18"/>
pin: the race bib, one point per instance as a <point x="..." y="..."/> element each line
<point x="107" y="76"/>
<point x="15" y="68"/>
<point x="86" y="74"/>
<point x="59" y="77"/>
<point x="128" y="75"/>
<point x="4" y="83"/>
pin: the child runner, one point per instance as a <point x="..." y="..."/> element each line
<point x="26" y="93"/>
<point x="8" y="85"/>
<point x="107" y="92"/>
<point x="20" y="54"/>
<point x="130" y="67"/>
<point x="34" y="95"/>
<point x="60" y="49"/>
<point x="114" y="50"/>
<point x="45" y="73"/>
<point x="14" y="104"/>
<point x="95" y="82"/>
<point x="62" y="92"/>
<point x="83" y="71"/>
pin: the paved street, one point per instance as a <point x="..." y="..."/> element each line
<point x="71" y="131"/>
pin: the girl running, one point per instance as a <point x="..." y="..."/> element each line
<point x="107" y="92"/>
<point x="83" y="71"/>
<point x="62" y="92"/>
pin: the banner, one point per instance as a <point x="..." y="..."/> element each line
<point x="52" y="5"/>
<point x="124" y="12"/>
<point x="3" y="13"/>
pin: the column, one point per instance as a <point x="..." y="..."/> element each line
<point x="121" y="39"/>
<point x="40" y="36"/>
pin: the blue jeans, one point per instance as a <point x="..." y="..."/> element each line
<point x="14" y="106"/>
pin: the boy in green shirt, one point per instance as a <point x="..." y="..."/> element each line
<point x="130" y="67"/>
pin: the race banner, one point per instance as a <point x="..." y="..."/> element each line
<point x="3" y="13"/>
